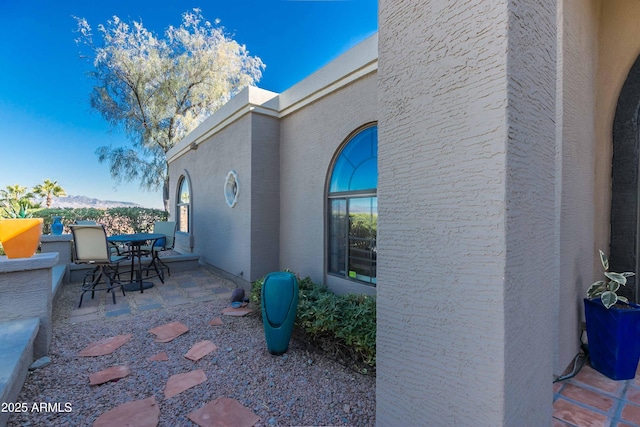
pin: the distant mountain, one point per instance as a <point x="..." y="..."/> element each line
<point x="88" y="202"/>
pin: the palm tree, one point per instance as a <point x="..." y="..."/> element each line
<point x="15" y="200"/>
<point x="49" y="189"/>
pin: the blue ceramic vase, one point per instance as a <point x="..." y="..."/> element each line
<point x="57" y="226"/>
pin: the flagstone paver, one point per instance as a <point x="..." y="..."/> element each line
<point x="216" y="322"/>
<point x="138" y="413"/>
<point x="178" y="383"/>
<point x="160" y="357"/>
<point x="200" y="349"/>
<point x="105" y="346"/>
<point x="109" y="374"/>
<point x="238" y="312"/>
<point x="169" y="331"/>
<point x="224" y="411"/>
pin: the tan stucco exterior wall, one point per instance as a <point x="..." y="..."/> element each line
<point x="309" y="140"/>
<point x="241" y="241"/>
<point x="466" y="197"/>
<point x="577" y="63"/>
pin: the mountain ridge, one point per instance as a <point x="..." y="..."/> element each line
<point x="71" y="201"/>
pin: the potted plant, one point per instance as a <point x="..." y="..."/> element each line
<point x="613" y="326"/>
<point x="20" y="234"/>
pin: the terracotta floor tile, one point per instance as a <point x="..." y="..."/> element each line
<point x="588" y="397"/>
<point x="558" y="423"/>
<point x="577" y="415"/>
<point x="631" y="413"/>
<point x="557" y="387"/>
<point x="633" y="395"/>
<point x="593" y="378"/>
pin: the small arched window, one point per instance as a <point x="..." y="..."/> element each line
<point x="183" y="207"/>
<point x="353" y="208"/>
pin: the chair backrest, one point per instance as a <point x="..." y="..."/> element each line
<point x="85" y="222"/>
<point x="90" y="244"/>
<point x="168" y="228"/>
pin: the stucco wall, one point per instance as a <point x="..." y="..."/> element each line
<point x="309" y="139"/>
<point x="465" y="203"/>
<point x="265" y="195"/>
<point x="222" y="235"/>
<point x="575" y="159"/>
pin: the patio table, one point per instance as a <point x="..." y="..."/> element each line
<point x="136" y="241"/>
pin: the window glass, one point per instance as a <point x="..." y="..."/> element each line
<point x="357" y="166"/>
<point x="183" y="205"/>
<point x="353" y="209"/>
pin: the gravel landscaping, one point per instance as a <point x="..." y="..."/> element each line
<point x="301" y="387"/>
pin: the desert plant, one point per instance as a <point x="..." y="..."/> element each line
<point x="607" y="289"/>
<point x="342" y="325"/>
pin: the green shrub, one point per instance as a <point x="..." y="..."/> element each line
<point x="343" y="325"/>
<point x="115" y="220"/>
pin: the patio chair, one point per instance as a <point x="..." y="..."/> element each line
<point x="113" y="247"/>
<point x="91" y="247"/>
<point x="168" y="228"/>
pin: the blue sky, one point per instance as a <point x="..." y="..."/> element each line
<point x="47" y="127"/>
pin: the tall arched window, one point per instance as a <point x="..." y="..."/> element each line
<point x="353" y="208"/>
<point x="183" y="204"/>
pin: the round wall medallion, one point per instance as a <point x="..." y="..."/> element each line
<point x="231" y="187"/>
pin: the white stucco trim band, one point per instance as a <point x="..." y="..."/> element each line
<point x="220" y="120"/>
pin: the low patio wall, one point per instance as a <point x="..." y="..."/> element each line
<point x="26" y="292"/>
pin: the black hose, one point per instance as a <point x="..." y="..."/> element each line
<point x="578" y="362"/>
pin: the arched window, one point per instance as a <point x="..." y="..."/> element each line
<point x="353" y="208"/>
<point x="183" y="206"/>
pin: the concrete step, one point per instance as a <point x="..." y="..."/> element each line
<point x="16" y="355"/>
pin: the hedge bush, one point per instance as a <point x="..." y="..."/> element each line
<point x="115" y="220"/>
<point x="343" y="325"/>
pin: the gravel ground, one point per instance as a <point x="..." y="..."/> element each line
<point x="298" y="388"/>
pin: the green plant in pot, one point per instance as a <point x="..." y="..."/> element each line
<point x="613" y="326"/>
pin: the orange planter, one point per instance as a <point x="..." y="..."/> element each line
<point x="20" y="236"/>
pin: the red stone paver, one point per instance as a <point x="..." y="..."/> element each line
<point x="200" y="349"/>
<point x="105" y="346"/>
<point x="109" y="374"/>
<point x="216" y="322"/>
<point x="238" y="312"/>
<point x="577" y="415"/>
<point x="224" y="411"/>
<point x="160" y="357"/>
<point x="138" y="413"/>
<point x="178" y="383"/>
<point x="169" y="331"/>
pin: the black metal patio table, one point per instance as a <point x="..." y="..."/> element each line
<point x="136" y="241"/>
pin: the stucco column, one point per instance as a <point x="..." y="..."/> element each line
<point x="466" y="210"/>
